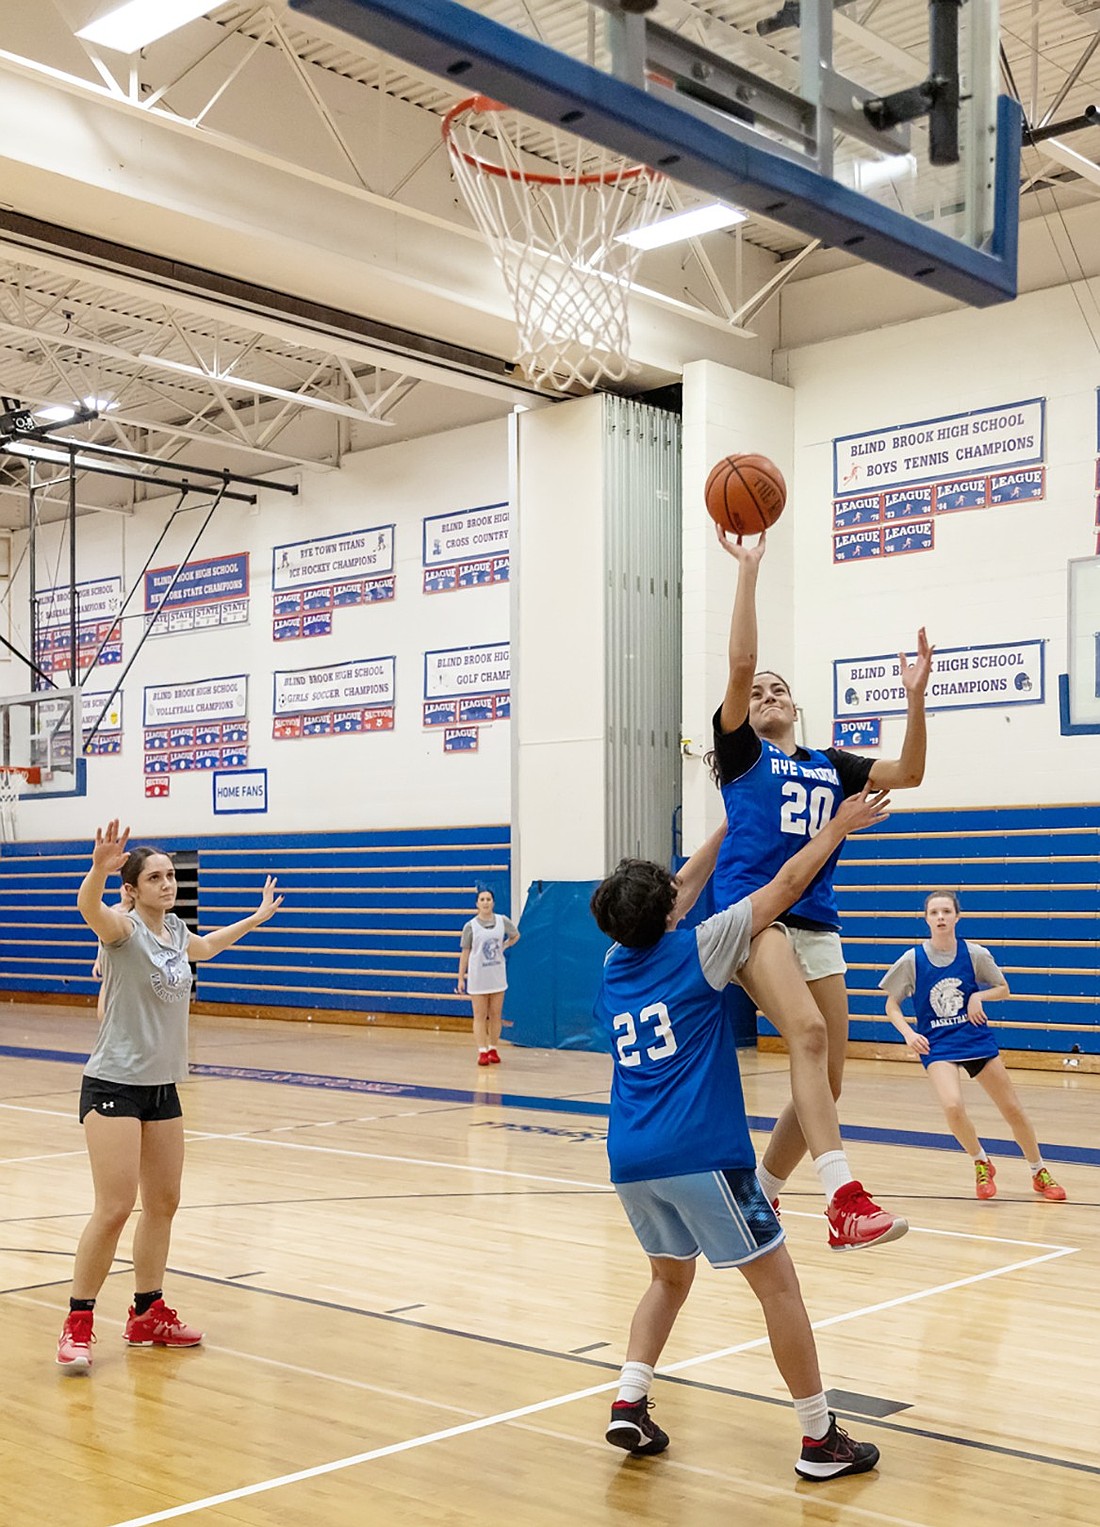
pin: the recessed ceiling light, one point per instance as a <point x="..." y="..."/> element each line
<point x="684" y="225"/>
<point x="130" y="27"/>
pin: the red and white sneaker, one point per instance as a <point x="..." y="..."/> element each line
<point x="1044" y="1183"/>
<point x="483" y="1058"/>
<point x="159" y="1327"/>
<point x="835" y="1455"/>
<point x="494" y="1058"/>
<point x="984" y="1173"/>
<point x="855" y="1222"/>
<point x="74" y="1346"/>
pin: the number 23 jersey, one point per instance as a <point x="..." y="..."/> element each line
<point x="676" y="1100"/>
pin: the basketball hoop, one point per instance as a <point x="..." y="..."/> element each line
<point x="12" y="781"/>
<point x="557" y="238"/>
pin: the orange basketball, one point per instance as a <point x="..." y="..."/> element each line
<point x="745" y="494"/>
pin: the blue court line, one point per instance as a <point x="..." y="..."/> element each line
<point x="1078" y="1155"/>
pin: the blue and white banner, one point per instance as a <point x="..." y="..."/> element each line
<point x="857" y="734"/>
<point x="343" y="699"/>
<point x="466" y="549"/>
<point x="330" y="560"/>
<point x="908" y="535"/>
<point x="311" y="580"/>
<point x="98" y="631"/>
<point x="985" y="440"/>
<point x="97" y="600"/>
<point x="107" y="741"/>
<point x="205" y="596"/>
<point x="196" y="726"/>
<point x="963" y="678"/>
<point x="458" y="673"/>
<point x="460" y="739"/>
<point x="243" y="791"/>
<point x="855" y="545"/>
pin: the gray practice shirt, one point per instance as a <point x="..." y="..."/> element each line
<point x="142" y="1040"/>
<point x="900" y="981"/>
<point x="724" y="943"/>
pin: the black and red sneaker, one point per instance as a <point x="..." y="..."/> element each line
<point x="631" y="1427"/>
<point x="835" y="1455"/>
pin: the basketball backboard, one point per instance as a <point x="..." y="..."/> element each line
<point x="41" y="733"/>
<point x="794" y="112"/>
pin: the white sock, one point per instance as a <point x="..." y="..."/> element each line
<point x="483" y="1049"/>
<point x="813" y="1416"/>
<point x="980" y="1155"/>
<point x="770" y="1185"/>
<point x="634" y="1382"/>
<point x="1036" y="1166"/>
<point x="833" y="1170"/>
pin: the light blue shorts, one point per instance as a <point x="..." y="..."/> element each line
<point x="724" y="1215"/>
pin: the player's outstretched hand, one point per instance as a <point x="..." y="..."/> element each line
<point x="110" y="852"/>
<point x="866" y="809"/>
<point x="269" y="902"/>
<point x="915" y="675"/>
<point x="734" y="546"/>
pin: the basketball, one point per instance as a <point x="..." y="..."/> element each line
<point x="745" y="494"/>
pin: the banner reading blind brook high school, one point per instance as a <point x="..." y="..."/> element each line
<point x="978" y="443"/>
<point x="963" y="678"/>
<point x="335" y="700"/>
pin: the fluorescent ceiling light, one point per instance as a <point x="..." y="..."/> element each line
<point x="684" y="225"/>
<point x="130" y="27"/>
<point x="57" y="413"/>
<point x="99" y="405"/>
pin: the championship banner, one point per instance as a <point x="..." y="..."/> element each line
<point x="466" y="549"/>
<point x="340" y="700"/>
<point x="311" y="580"/>
<point x="985" y="441"/>
<point x="205" y="596"/>
<point x="107" y="741"/>
<point x="196" y="726"/>
<point x="963" y="678"/>
<point x="467" y="684"/>
<point x="98" y="603"/>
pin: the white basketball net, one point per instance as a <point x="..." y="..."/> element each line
<point x="11" y="783"/>
<point x="556" y="237"/>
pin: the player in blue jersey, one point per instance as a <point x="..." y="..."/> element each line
<point x="678" y="1141"/>
<point x="777" y="795"/>
<point x="950" y="980"/>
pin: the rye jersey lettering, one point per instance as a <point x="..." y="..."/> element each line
<point x="676" y="1101"/>
<point x="773" y="810"/>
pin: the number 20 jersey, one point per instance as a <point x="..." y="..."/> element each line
<point x="773" y="810"/>
<point x="676" y="1100"/>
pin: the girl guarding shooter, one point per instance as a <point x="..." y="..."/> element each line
<point x="778" y="796"/>
<point x="950" y="981"/>
<point x="133" y="1122"/>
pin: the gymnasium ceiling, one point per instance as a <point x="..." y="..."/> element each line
<point x="245" y="242"/>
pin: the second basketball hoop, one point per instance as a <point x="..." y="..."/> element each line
<point x="555" y="211"/>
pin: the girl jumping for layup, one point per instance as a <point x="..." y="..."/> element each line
<point x="950" y="981"/>
<point x="779" y="795"/>
<point x="133" y="1123"/>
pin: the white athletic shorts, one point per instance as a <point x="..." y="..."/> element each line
<point x="817" y="950"/>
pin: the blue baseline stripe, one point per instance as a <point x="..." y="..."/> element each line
<point x="1082" y="1155"/>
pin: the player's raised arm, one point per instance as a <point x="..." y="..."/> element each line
<point x="743" y="639"/>
<point x="866" y="809"/>
<point x="907" y="770"/>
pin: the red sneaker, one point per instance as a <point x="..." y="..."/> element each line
<point x="984" y="1173"/>
<point x="159" y="1327"/>
<point x="74" y="1346"/>
<point x="483" y="1058"/>
<point x="1044" y="1183"/>
<point x="494" y="1058"/>
<point x="855" y="1222"/>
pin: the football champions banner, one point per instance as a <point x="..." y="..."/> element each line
<point x="963" y="678"/>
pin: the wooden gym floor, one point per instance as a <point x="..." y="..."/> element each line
<point x="416" y="1287"/>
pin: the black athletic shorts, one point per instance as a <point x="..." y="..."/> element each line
<point x="118" y="1100"/>
<point x="976" y="1067"/>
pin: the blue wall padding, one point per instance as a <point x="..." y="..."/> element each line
<point x="554" y="971"/>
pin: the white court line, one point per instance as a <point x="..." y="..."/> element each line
<point x="54" y="1113"/>
<point x="503" y="1417"/>
<point x="575" y="1182"/>
<point x="49" y="1156"/>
